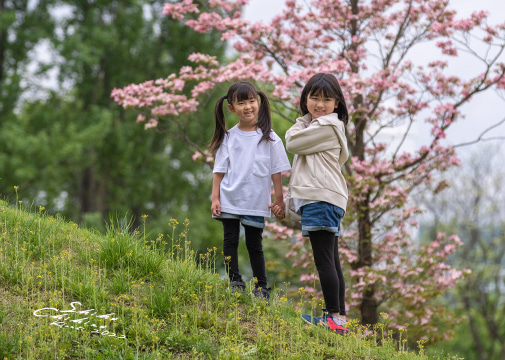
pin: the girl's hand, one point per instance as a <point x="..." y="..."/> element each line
<point x="278" y="210"/>
<point x="216" y="208"/>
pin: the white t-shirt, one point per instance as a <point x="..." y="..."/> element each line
<point x="248" y="166"/>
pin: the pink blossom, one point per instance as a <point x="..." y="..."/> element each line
<point x="385" y="87"/>
<point x="152" y="123"/>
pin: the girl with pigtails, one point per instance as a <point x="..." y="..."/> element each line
<point x="249" y="157"/>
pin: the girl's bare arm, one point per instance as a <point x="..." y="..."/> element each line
<point x="216" y="184"/>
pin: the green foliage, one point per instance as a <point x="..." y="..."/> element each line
<point x="22" y="27"/>
<point x="120" y="249"/>
<point x="182" y="310"/>
<point x="75" y="151"/>
<point x="8" y="345"/>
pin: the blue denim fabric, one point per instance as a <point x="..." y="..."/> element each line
<point x="249" y="220"/>
<point x="321" y="216"/>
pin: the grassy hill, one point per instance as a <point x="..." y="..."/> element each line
<point x="70" y="293"/>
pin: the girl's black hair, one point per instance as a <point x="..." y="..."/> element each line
<point x="239" y="92"/>
<point x="326" y="85"/>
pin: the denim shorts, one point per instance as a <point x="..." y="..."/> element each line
<point x="321" y="216"/>
<point x="249" y="220"/>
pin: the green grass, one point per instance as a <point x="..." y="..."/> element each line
<point x="143" y="298"/>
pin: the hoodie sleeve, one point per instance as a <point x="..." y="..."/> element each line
<point x="303" y="140"/>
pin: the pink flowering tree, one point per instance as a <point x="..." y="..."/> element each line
<point x="374" y="47"/>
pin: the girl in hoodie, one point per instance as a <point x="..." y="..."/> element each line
<point x="318" y="188"/>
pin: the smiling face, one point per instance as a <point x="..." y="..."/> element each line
<point x="246" y="109"/>
<point x="323" y="94"/>
<point x="319" y="105"/>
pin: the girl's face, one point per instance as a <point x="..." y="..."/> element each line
<point x="319" y="105"/>
<point x="246" y="110"/>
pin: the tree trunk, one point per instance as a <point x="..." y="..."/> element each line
<point x="369" y="307"/>
<point x="87" y="191"/>
<point x="101" y="197"/>
<point x="369" y="303"/>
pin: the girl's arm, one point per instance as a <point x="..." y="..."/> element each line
<point x="314" y="138"/>
<point x="278" y="205"/>
<point x="216" y="185"/>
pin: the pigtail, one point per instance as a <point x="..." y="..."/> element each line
<point x="241" y="91"/>
<point x="264" y="117"/>
<point x="220" y="127"/>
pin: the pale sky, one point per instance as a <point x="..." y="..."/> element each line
<point x="483" y="111"/>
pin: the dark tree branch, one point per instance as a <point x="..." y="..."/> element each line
<point x="480" y="138"/>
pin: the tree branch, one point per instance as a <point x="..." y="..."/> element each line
<point x="480" y="138"/>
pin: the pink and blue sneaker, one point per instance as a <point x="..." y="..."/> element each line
<point x="312" y="320"/>
<point x="333" y="323"/>
<point x="328" y="321"/>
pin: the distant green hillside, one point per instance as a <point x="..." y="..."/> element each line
<point x="69" y="293"/>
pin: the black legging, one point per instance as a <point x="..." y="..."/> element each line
<point x="325" y="249"/>
<point x="253" y="241"/>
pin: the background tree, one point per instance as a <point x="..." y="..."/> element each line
<point x="74" y="150"/>
<point x="21" y="29"/>
<point x="370" y="46"/>
<point x="473" y="207"/>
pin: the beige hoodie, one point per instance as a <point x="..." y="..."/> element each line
<point x="321" y="147"/>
